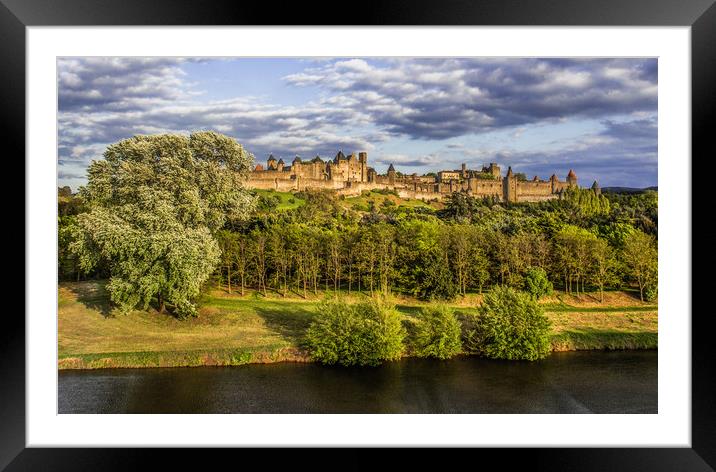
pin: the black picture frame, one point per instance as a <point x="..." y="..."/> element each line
<point x="700" y="15"/>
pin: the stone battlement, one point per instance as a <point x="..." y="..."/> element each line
<point x="350" y="175"/>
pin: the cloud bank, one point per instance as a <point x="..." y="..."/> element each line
<point x="391" y="106"/>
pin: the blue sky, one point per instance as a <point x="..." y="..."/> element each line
<point x="539" y="115"/>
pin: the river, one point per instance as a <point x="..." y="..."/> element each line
<point x="568" y="382"/>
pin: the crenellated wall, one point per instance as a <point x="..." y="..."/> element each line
<point x="350" y="176"/>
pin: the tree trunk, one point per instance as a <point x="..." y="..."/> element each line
<point x="641" y="291"/>
<point x="160" y="299"/>
<point x="577" y="286"/>
<point x="228" y="277"/>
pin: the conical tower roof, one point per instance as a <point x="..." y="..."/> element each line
<point x="391" y="168"/>
<point x="571" y="174"/>
<point x="595" y="185"/>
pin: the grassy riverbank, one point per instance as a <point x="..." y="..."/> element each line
<point x="233" y="330"/>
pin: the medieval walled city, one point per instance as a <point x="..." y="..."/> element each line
<point x="350" y="175"/>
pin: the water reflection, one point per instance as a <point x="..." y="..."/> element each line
<point x="587" y="382"/>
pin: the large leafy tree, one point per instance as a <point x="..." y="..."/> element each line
<point x="155" y="204"/>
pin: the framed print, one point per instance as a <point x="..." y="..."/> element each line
<point x="419" y="226"/>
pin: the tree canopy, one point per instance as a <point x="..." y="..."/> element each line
<point x="155" y="203"/>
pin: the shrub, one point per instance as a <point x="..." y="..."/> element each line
<point x="536" y="283"/>
<point x="438" y="333"/>
<point x="651" y="292"/>
<point x="365" y="333"/>
<point x="511" y="325"/>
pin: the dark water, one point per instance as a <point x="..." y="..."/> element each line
<point x="575" y="382"/>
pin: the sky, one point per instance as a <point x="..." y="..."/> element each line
<point x="539" y="115"/>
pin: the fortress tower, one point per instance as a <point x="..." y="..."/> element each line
<point x="271" y="163"/>
<point x="572" y="178"/>
<point x="494" y="169"/>
<point x="391" y="174"/>
<point x="509" y="186"/>
<point x="363" y="160"/>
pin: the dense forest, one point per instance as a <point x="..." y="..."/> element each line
<point x="583" y="243"/>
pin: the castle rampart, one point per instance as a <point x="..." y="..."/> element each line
<point x="350" y="175"/>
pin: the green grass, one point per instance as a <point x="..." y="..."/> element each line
<point x="234" y="330"/>
<point x="553" y="307"/>
<point x="285" y="203"/>
<point x="591" y="339"/>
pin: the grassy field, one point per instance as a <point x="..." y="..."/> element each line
<point x="233" y="330"/>
<point x="288" y="201"/>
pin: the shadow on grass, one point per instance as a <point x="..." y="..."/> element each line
<point x="93" y="296"/>
<point x="595" y="339"/>
<point x="289" y="324"/>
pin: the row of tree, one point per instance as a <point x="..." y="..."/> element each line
<point x="429" y="259"/>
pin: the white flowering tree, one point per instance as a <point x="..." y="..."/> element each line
<point x="155" y="205"/>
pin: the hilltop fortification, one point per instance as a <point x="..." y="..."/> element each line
<point x="350" y="175"/>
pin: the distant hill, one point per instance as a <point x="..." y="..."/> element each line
<point x="628" y="189"/>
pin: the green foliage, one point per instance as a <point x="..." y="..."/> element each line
<point x="67" y="262"/>
<point x="511" y="325"/>
<point x="616" y="233"/>
<point x="536" y="283"/>
<point x="640" y="210"/>
<point x="651" y="292"/>
<point x="385" y="191"/>
<point x="364" y="334"/>
<point x="422" y="255"/>
<point x="154" y="204"/>
<point x="460" y="206"/>
<point x="585" y="202"/>
<point x="573" y="251"/>
<point x="69" y="204"/>
<point x="438" y="333"/>
<point x="434" y="281"/>
<point x="640" y="260"/>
